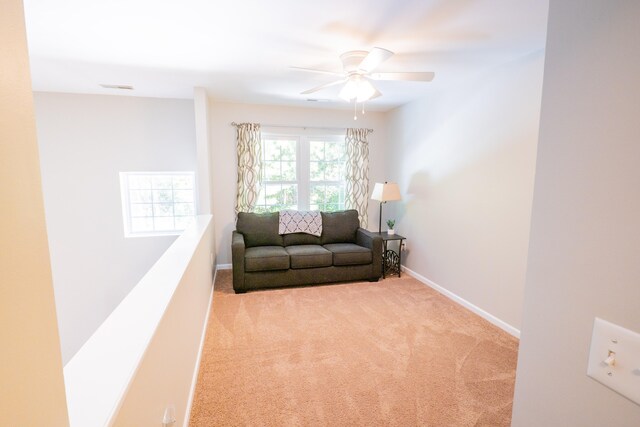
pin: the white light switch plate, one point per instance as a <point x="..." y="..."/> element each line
<point x="624" y="375"/>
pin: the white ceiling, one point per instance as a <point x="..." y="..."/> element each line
<point x="241" y="50"/>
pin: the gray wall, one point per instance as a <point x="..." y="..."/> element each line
<point x="584" y="254"/>
<point x="85" y="141"/>
<point x="465" y="160"/>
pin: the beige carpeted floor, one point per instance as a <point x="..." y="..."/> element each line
<point x="392" y="353"/>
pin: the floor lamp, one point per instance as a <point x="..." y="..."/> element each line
<point x="387" y="192"/>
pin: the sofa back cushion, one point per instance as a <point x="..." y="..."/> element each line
<point x="259" y="229"/>
<point x="339" y="227"/>
<point x="294" y="239"/>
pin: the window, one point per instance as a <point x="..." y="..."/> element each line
<point x="157" y="203"/>
<point x="279" y="174"/>
<point x="326" y="175"/>
<point x="302" y="172"/>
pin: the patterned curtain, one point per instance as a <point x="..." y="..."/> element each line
<point x="249" y="165"/>
<point x="357" y="171"/>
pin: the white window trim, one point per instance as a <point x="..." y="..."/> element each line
<point x="126" y="205"/>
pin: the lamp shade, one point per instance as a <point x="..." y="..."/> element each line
<point x="357" y="88"/>
<point x="386" y="192"/>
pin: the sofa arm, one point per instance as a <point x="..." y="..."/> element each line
<point x="237" y="260"/>
<point x="372" y="241"/>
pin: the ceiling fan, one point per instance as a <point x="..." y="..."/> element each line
<point x="358" y="73"/>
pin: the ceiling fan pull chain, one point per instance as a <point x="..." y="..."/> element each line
<point x="355" y="109"/>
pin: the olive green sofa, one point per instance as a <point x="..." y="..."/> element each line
<point x="262" y="258"/>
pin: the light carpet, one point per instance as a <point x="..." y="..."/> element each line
<point x="391" y="353"/>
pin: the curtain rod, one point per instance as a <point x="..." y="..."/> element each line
<point x="300" y="127"/>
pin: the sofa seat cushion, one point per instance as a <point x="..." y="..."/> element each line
<point x="266" y="258"/>
<point x="349" y="254"/>
<point x="300" y="239"/>
<point x="309" y="256"/>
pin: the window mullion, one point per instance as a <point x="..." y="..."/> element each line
<point x="303" y="173"/>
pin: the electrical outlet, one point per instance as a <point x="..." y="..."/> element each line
<point x="169" y="417"/>
<point x="614" y="358"/>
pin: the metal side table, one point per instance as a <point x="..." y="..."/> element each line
<point x="391" y="259"/>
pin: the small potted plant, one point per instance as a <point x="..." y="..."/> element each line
<point x="390" y="224"/>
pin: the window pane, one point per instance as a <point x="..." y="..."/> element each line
<point x="332" y="194"/>
<point x="141" y="225"/>
<point x="316" y="171"/>
<point x="139" y="182"/>
<point x="329" y="197"/>
<point x="183" y="182"/>
<point x="272" y="171"/>
<point x="161" y="181"/>
<point x="272" y="193"/>
<point x="280" y="196"/>
<point x="163" y="209"/>
<point x="317" y="194"/>
<point x="290" y="195"/>
<point x="288" y="171"/>
<point x="316" y="150"/>
<point x="138" y="196"/>
<point x="271" y="150"/>
<point x="333" y="172"/>
<point x="334" y="151"/>
<point x="183" y="195"/>
<point x="162" y="196"/>
<point x="141" y="209"/>
<point x="287" y="150"/>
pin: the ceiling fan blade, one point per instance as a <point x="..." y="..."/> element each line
<point x="315" y="70"/>
<point x="326" y="85"/>
<point x="376" y="57"/>
<point x="376" y="94"/>
<point x="412" y="77"/>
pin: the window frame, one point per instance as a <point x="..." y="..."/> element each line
<point x="125" y="193"/>
<point x="303" y="140"/>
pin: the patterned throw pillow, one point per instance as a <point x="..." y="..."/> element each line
<point x="309" y="222"/>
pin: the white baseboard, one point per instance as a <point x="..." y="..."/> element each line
<point x="463" y="302"/>
<point x="194" y="380"/>
<point x="224" y="266"/>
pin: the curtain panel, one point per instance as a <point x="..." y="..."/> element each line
<point x="249" y="165"/>
<point x="357" y="173"/>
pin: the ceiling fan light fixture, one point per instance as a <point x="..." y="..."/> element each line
<point x="358" y="88"/>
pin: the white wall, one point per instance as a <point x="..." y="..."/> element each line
<point x="85" y="141"/>
<point x="168" y="372"/>
<point x="465" y="159"/>
<point x="143" y="357"/>
<point x="223" y="138"/>
<point x="31" y="383"/>
<point x="585" y="234"/>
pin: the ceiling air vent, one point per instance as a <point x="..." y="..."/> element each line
<point x="121" y="87"/>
